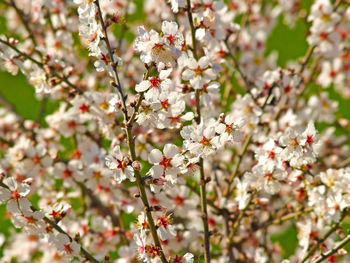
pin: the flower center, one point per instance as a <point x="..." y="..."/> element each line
<point x="155" y="82"/>
<point x="179" y="200"/>
<point x="67" y="173"/>
<point x="165" y="162"/>
<point x="84" y="108"/>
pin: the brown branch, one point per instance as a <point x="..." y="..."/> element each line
<point x="333" y="250"/>
<point x="312" y="250"/>
<point x="41" y="65"/>
<point x="203" y="179"/>
<point x="130" y="140"/>
<point x="117" y="83"/>
<point x="236" y="168"/>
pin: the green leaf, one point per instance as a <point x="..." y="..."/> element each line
<point x="290" y="43"/>
<point x="287" y="240"/>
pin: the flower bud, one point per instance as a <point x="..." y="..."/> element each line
<point x="116" y="19"/>
<point x="136" y="165"/>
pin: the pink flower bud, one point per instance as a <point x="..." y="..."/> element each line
<point x="136" y="165"/>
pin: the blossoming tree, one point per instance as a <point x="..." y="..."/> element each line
<point x="178" y="139"/>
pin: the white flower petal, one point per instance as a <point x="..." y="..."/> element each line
<point x="155" y="156"/>
<point x="170" y="150"/>
<point x="142" y="86"/>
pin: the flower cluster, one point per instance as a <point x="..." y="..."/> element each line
<point x="168" y="132"/>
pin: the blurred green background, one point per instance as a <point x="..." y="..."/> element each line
<point x="290" y="43"/>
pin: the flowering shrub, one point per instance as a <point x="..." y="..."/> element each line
<point x="176" y="141"/>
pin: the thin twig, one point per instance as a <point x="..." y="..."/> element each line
<point x="25" y="19"/>
<point x="247" y="82"/>
<point x="333" y="250"/>
<point x="42" y="109"/>
<point x="114" y="63"/>
<point x="41" y="65"/>
<point x="312" y="250"/>
<point x="130" y="140"/>
<point x="203" y="179"/>
<point x="239" y="219"/>
<point x="236" y="168"/>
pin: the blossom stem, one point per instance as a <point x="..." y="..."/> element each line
<point x="203" y="179"/>
<point x="333" y="250"/>
<point x="307" y="58"/>
<point x="143" y="194"/>
<point x="139" y="101"/>
<point x="96" y="202"/>
<point x="229" y="252"/>
<point x="114" y="63"/>
<point x="312" y="250"/>
<point x="238" y="163"/>
<point x="209" y="201"/>
<point x="246" y="81"/>
<point x="124" y="26"/>
<point x="130" y="138"/>
<point x="305" y="61"/>
<point x="344" y="163"/>
<point x="193" y="30"/>
<point x="25" y="21"/>
<point x="204" y="211"/>
<point x="59" y="229"/>
<point x="41" y="65"/>
<point x="239" y="219"/>
<point x="42" y="110"/>
<point x="287" y="217"/>
<point x="3" y="140"/>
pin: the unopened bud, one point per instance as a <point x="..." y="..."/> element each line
<point x="112" y="83"/>
<point x="136" y="165"/>
<point x="116" y="19"/>
<point x="133" y="104"/>
<point x="121" y="137"/>
<point x="342" y="251"/>
<point x="2" y="174"/>
<point x="13" y="41"/>
<point x="46" y="59"/>
<point x="222" y="117"/>
<point x="54" y="81"/>
<point x="77" y="237"/>
<point x="128" y="235"/>
<point x="263" y="201"/>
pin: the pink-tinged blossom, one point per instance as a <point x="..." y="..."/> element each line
<point x="229" y="129"/>
<point x="15" y="195"/>
<point x="65" y="245"/>
<point x="165" y="229"/>
<point x="166" y="165"/>
<point x="38" y="78"/>
<point x="118" y="163"/>
<point x="199" y="72"/>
